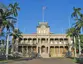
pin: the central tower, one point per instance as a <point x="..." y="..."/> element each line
<point x="43" y="28"/>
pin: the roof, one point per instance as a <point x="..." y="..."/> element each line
<point x="43" y="23"/>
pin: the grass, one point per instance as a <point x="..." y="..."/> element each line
<point x="3" y="59"/>
<point x="76" y="60"/>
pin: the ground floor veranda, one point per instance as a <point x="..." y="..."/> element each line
<point x="44" y="51"/>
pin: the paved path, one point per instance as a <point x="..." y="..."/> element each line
<point x="42" y="61"/>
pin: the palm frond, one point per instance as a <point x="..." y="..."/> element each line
<point x="9" y="17"/>
<point x="16" y="4"/>
<point x="10" y="5"/>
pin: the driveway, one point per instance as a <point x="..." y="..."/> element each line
<point x="42" y="61"/>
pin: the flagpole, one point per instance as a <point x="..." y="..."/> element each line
<point x="43" y="15"/>
<point x="43" y="12"/>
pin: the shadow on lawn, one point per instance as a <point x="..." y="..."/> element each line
<point x="77" y="60"/>
<point x="11" y="58"/>
<point x="3" y="57"/>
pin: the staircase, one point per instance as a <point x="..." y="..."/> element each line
<point x="45" y="55"/>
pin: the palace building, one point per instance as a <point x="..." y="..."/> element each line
<point x="44" y="42"/>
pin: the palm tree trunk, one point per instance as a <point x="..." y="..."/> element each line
<point x="16" y="46"/>
<point x="79" y="45"/>
<point x="74" y="47"/>
<point x="12" y="50"/>
<point x="7" y="46"/>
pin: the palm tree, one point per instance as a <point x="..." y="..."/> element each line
<point x="7" y="21"/>
<point x="2" y="34"/>
<point x="15" y="35"/>
<point x="79" y="26"/>
<point x="2" y="47"/>
<point x="73" y="32"/>
<point x="14" y="9"/>
<point x="78" y="16"/>
<point x="76" y="13"/>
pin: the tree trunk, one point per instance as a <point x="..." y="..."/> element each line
<point x="7" y="46"/>
<point x="74" y="47"/>
<point x="16" y="44"/>
<point x="79" y="45"/>
<point x="12" y="50"/>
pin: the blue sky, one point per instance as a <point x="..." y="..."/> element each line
<point x="57" y="14"/>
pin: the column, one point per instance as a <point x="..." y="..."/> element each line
<point x="46" y="45"/>
<point x="59" y="41"/>
<point x="54" y="50"/>
<point x="49" y="45"/>
<point x="37" y="44"/>
<point x="40" y="45"/>
<point x="37" y="48"/>
<point x="64" y="51"/>
<point x="22" y="50"/>
<point x="53" y="40"/>
<point x="59" y="51"/>
<point x="27" y="50"/>
<point x="46" y="41"/>
<point x="31" y="48"/>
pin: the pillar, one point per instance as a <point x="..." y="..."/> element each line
<point x="27" y="50"/>
<point x="37" y="44"/>
<point x="59" y="51"/>
<point x="22" y="50"/>
<point x="63" y="51"/>
<point x="54" y="50"/>
<point x="46" y="50"/>
<point x="40" y="46"/>
<point x="49" y="45"/>
<point x="37" y="48"/>
<point x="40" y="50"/>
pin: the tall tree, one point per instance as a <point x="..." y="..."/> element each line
<point x="7" y="21"/>
<point x="72" y="32"/>
<point x="14" y="8"/>
<point x="16" y="34"/>
<point x="78" y="17"/>
<point x="76" y="13"/>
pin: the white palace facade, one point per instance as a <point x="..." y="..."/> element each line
<point x="44" y="42"/>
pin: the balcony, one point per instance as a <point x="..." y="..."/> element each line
<point x="58" y="43"/>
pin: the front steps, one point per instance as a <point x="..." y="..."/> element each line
<point x="45" y="55"/>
